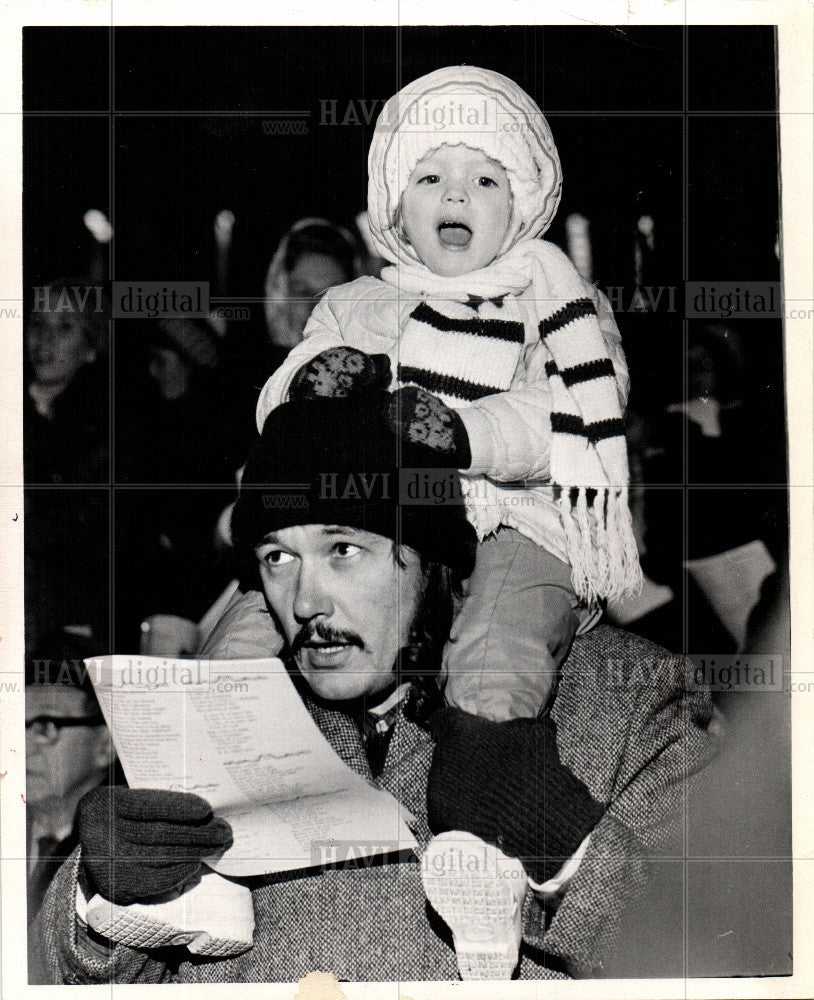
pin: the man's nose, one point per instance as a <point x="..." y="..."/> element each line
<point x="312" y="597"/>
<point x="41" y="733"/>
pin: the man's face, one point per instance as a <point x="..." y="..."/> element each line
<point x="456" y="209"/>
<point x="62" y="762"/>
<point x="344" y="604"/>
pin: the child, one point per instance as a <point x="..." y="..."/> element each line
<point x="506" y="362"/>
<point x="519" y="374"/>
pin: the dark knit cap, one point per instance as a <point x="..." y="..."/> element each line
<point x="337" y="461"/>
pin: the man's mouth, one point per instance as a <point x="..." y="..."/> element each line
<point x="325" y="655"/>
<point x="454" y="234"/>
<point x="325" y="647"/>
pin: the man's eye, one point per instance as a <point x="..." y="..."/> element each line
<point x="276" y="557"/>
<point x="487" y="182"/>
<point x="345" y="549"/>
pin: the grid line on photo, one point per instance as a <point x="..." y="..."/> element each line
<point x="113" y="339"/>
<point x="248" y="113"/>
<point x="685" y="170"/>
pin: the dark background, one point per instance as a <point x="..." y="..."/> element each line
<point x="675" y="123"/>
<point x="161" y="128"/>
<point x="615" y="97"/>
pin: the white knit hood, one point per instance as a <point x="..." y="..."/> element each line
<point x="477" y="108"/>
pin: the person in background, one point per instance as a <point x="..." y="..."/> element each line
<point x="177" y="429"/>
<point x="66" y="406"/>
<point x="313" y="256"/>
<point x="733" y="537"/>
<point x="68" y="751"/>
<point x="177" y="423"/>
<point x="181" y="348"/>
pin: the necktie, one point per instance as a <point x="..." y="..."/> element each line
<point x="376" y="733"/>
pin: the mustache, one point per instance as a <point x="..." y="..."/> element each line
<point x="325" y="632"/>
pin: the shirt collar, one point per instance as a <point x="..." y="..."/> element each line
<point x="389" y="703"/>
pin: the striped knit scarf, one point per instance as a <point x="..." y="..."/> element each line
<point x="463" y="341"/>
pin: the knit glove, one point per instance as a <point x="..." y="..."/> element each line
<point x="340" y="372"/>
<point x="139" y="844"/>
<point x="423" y="420"/>
<point x="505" y="783"/>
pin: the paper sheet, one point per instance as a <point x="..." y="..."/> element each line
<point x="237" y="734"/>
<point x="731" y="582"/>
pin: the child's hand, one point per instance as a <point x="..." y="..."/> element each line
<point x="339" y="372"/>
<point x="422" y="419"/>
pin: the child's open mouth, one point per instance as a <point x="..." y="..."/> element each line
<point x="454" y="234"/>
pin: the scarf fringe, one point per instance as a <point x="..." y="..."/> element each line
<point x="601" y="545"/>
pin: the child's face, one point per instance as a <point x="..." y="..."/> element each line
<point x="456" y="209"/>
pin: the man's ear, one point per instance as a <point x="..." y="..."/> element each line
<point x="404" y="556"/>
<point x="104" y="752"/>
<point x="91" y="351"/>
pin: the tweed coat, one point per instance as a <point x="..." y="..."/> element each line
<point x="631" y="724"/>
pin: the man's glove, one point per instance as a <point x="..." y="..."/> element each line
<point x="140" y="844"/>
<point x="424" y="420"/>
<point x="339" y="372"/>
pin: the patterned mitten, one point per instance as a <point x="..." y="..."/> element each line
<point x="139" y="844"/>
<point x="421" y="419"/>
<point x="339" y="372"/>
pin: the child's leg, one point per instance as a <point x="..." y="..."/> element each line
<point x="505" y="782"/>
<point x="512" y="632"/>
<point x="245" y="631"/>
<point x="499" y="784"/>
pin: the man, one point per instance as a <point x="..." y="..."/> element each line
<point x="362" y="588"/>
<point x="68" y="751"/>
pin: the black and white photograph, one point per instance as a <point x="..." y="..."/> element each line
<point x="321" y="334"/>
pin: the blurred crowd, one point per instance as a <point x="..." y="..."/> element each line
<point x="171" y="402"/>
